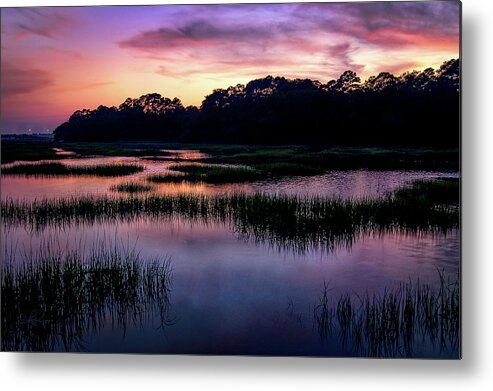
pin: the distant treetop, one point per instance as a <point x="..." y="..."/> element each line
<point x="417" y="107"/>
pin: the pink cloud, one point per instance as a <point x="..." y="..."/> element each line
<point x="16" y="81"/>
<point x="202" y="33"/>
<point x="308" y="35"/>
<point x="82" y="56"/>
<point x="387" y="24"/>
<point x="38" y="21"/>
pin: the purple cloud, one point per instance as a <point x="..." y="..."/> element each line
<point x="386" y="24"/>
<point x="340" y="58"/>
<point x="370" y="22"/>
<point x="324" y="36"/>
<point x="199" y="32"/>
<point x="439" y="17"/>
<point x="17" y="81"/>
<point x="37" y="21"/>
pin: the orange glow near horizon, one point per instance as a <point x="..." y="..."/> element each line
<point x="58" y="60"/>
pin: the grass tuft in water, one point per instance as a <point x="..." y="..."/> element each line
<point x="439" y="191"/>
<point x="169" y="178"/>
<point x="392" y="323"/>
<point x="208" y="174"/>
<point x="286" y="221"/>
<point x="131" y="187"/>
<point x="59" y="169"/>
<point x="285" y="169"/>
<point x="27" y="150"/>
<point x="51" y="300"/>
<point x="341" y="157"/>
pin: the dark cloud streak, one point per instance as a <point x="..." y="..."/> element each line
<point x="371" y="23"/>
<point x="40" y="22"/>
<point x="17" y="81"/>
<point x="199" y="32"/>
<point x="386" y="24"/>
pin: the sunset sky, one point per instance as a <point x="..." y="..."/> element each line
<point x="57" y="60"/>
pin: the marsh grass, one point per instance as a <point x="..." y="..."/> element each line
<point x="392" y="323"/>
<point x="286" y="221"/>
<point x="285" y="169"/>
<point x="28" y="150"/>
<point x="116" y="148"/>
<point x="170" y="178"/>
<point x="342" y="157"/>
<point x="131" y="187"/>
<point x="208" y="174"/>
<point x="438" y="191"/>
<point x="52" y="300"/>
<point x="59" y="169"/>
<point x="258" y="154"/>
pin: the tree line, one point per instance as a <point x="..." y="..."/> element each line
<point x="415" y="108"/>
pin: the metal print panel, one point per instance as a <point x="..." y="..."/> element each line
<point x="261" y="179"/>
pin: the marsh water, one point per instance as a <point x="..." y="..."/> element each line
<point x="231" y="294"/>
<point x="354" y="184"/>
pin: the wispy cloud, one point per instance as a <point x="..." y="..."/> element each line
<point x="60" y="59"/>
<point x="197" y="33"/>
<point x="42" y="22"/>
<point x="340" y="57"/>
<point x="303" y="36"/>
<point x="16" y="81"/>
<point x="388" y="24"/>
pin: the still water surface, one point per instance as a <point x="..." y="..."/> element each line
<point x="232" y="296"/>
<point x="353" y="184"/>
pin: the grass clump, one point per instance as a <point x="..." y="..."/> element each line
<point x="208" y="174"/>
<point x="59" y="169"/>
<point x="287" y="221"/>
<point x="52" y="301"/>
<point x="169" y="178"/>
<point x="259" y="154"/>
<point x="28" y="150"/>
<point x="344" y="157"/>
<point x="392" y="323"/>
<point x="285" y="168"/>
<point x="439" y="191"/>
<point x="131" y="187"/>
<point x="115" y="148"/>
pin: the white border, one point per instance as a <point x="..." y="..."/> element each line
<point x="474" y="372"/>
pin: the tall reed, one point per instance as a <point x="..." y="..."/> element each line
<point x="393" y="323"/>
<point x="59" y="169"/>
<point x="287" y="221"/>
<point x="51" y="300"/>
<point x="208" y="173"/>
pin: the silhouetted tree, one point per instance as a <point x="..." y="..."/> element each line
<point x="418" y="108"/>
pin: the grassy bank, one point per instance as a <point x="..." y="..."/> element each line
<point x="116" y="148"/>
<point x="439" y="191"/>
<point x="341" y="157"/>
<point x="59" y="169"/>
<point x="131" y="188"/>
<point x="290" y="221"/>
<point x="286" y="169"/>
<point x="51" y="301"/>
<point x="390" y="324"/>
<point x="207" y="173"/>
<point x="336" y="157"/>
<point x="44" y="150"/>
<point x="28" y="150"/>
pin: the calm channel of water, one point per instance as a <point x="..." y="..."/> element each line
<point x="231" y="296"/>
